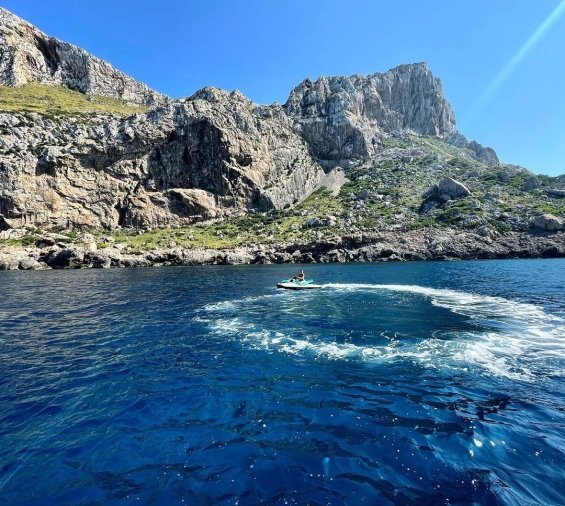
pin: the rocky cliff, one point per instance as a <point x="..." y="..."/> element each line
<point x="210" y="156"/>
<point x="215" y="155"/>
<point x="29" y="55"/>
<point x="344" y="118"/>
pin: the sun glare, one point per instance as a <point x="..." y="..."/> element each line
<point x="491" y="90"/>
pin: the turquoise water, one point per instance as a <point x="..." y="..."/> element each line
<point x="407" y="383"/>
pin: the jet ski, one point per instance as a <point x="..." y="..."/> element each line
<point x="294" y="284"/>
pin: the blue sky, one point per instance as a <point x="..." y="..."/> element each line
<point x="506" y="92"/>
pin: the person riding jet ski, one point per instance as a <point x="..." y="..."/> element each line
<point x="300" y="277"/>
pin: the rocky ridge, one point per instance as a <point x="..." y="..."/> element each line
<point x="211" y="156"/>
<point x="213" y="176"/>
<point x="29" y="55"/>
<point x="207" y="157"/>
<point x="344" y="118"/>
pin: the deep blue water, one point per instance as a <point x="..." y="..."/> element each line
<point x="407" y="383"/>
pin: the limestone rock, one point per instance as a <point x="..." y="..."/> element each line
<point x="201" y="257"/>
<point x="556" y="193"/>
<point x="11" y="233"/>
<point x="447" y="189"/>
<point x="50" y="239"/>
<point x="532" y="183"/>
<point x="29" y="264"/>
<point x="209" y="156"/>
<point x="100" y="260"/>
<point x="334" y="180"/>
<point x="485" y="231"/>
<point x="104" y="258"/>
<point x="330" y="221"/>
<point x="238" y="257"/>
<point x="341" y="118"/>
<point x="548" y="222"/>
<point x="29" y="55"/>
<point x="481" y="153"/>
<point x="9" y="262"/>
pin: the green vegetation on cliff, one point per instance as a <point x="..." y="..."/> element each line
<point x="383" y="194"/>
<point x="58" y="101"/>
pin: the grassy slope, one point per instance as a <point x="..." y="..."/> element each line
<point x="57" y="101"/>
<point x="495" y="191"/>
<point x="260" y="228"/>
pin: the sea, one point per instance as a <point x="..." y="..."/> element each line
<point x="393" y="384"/>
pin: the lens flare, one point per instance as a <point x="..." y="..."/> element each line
<point x="488" y="94"/>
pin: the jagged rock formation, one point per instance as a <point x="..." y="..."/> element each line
<point x="213" y="155"/>
<point x="206" y="157"/>
<point x="477" y="151"/>
<point x="29" y="55"/>
<point x="342" y="118"/>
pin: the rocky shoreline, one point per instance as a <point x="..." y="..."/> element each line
<point x="433" y="244"/>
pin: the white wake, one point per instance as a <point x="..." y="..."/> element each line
<point x="513" y="339"/>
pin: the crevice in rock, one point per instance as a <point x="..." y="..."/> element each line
<point x="4" y="224"/>
<point x="48" y="48"/>
<point x="45" y="167"/>
<point x="122" y="213"/>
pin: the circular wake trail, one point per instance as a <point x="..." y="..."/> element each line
<point x="508" y="338"/>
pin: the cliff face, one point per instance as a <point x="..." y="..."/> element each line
<point x="28" y="55"/>
<point x="212" y="155"/>
<point x="205" y="157"/>
<point x="343" y="118"/>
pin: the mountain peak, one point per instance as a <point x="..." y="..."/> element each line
<point x="343" y="117"/>
<point x="31" y="56"/>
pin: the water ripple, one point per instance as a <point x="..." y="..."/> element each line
<point x="389" y="386"/>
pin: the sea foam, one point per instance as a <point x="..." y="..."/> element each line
<point x="513" y="339"/>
